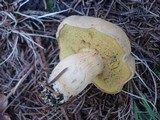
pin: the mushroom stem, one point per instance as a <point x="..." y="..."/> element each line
<point x="74" y="73"/>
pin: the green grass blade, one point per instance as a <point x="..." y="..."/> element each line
<point x="151" y="113"/>
<point x="137" y="113"/>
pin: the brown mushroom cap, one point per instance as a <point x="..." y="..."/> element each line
<point x="78" y="32"/>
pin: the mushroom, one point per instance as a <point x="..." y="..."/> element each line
<point x="92" y="50"/>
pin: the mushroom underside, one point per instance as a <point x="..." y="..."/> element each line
<point x="72" y="39"/>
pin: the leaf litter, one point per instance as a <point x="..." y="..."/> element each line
<point x="29" y="51"/>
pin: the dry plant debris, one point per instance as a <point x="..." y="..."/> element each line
<point x="4" y="117"/>
<point x="3" y="105"/>
<point x="3" y="102"/>
<point x="29" y="51"/>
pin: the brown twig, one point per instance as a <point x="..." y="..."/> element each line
<point x="45" y="64"/>
<point x="64" y="112"/>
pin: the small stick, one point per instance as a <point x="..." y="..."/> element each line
<point x="21" y="80"/>
<point x="64" y="112"/>
<point x="45" y="66"/>
<point x="52" y="91"/>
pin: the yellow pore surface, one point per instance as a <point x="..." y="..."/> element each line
<point x="116" y="72"/>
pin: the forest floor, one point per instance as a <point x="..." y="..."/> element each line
<point x="29" y="51"/>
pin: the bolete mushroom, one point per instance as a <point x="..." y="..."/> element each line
<point x="92" y="50"/>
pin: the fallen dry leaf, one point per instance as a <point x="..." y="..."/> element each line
<point x="3" y="102"/>
<point x="4" y="117"/>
